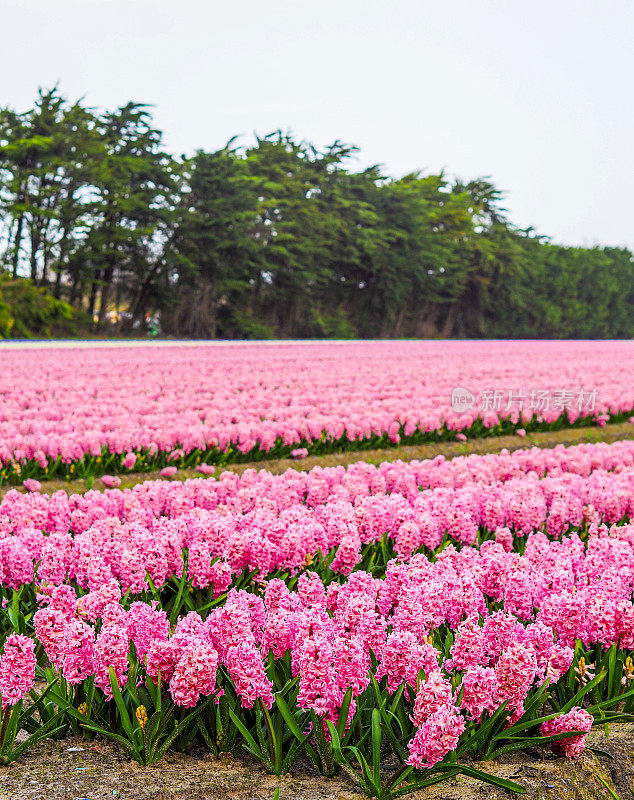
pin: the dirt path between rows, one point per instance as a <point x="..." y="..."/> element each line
<point x="492" y="444"/>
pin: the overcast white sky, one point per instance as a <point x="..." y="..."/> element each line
<point x="537" y="95"/>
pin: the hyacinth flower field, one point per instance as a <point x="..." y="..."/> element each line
<point x="397" y="624"/>
<point x="101" y="411"/>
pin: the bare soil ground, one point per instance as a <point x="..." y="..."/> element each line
<point x="492" y="444"/>
<point x="76" y="769"/>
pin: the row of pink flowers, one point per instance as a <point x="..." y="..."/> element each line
<point x="268" y="523"/>
<point x="515" y="616"/>
<point x="581" y="590"/>
<point x="69" y="403"/>
<point x="332" y="633"/>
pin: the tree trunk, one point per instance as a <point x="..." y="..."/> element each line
<point x="35" y="246"/>
<point x="448" y="325"/>
<point x="426" y="322"/>
<point x="17" y="244"/>
<point x="58" y="284"/>
<point x="398" y="326"/>
<point x="76" y="290"/>
<point x="44" y="277"/>
<point x="105" y="292"/>
<point x="92" y="300"/>
<point x="137" y="304"/>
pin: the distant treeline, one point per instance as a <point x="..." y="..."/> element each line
<point x="279" y="239"/>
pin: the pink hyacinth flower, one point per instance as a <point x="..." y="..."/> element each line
<point x="111" y="481"/>
<point x="167" y="472"/>
<point x="461" y="437"/>
<point x="577" y="719"/>
<point x="206" y="469"/>
<point x="31" y="485"/>
<point x="17" y="669"/>
<point x="437" y="736"/>
<point x="299" y="452"/>
<point x="129" y="461"/>
<point x="521" y="432"/>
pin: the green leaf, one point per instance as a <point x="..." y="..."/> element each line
<point x="424" y="784"/>
<point x="253" y="746"/>
<point x="38" y="701"/>
<point x="202" y="728"/>
<point x="123" y="711"/>
<point x="152" y="729"/>
<point x="486" y="777"/>
<point x="342" y="721"/>
<point x="368" y="777"/>
<point x="582" y="692"/>
<point x="114" y="737"/>
<point x="610" y="702"/>
<point x="181" y="589"/>
<point x="395" y="741"/>
<point x="183" y="727"/>
<point x="289" y="718"/>
<point x="376" y="745"/>
<point x="11" y="729"/>
<point x="482" y="733"/>
<point x="45" y="731"/>
<point x="340" y="759"/>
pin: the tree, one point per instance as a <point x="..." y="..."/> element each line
<point x="278" y="238"/>
<point x="135" y="186"/>
<point x="214" y="257"/>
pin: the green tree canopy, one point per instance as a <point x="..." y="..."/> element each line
<point x="278" y="238"/>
